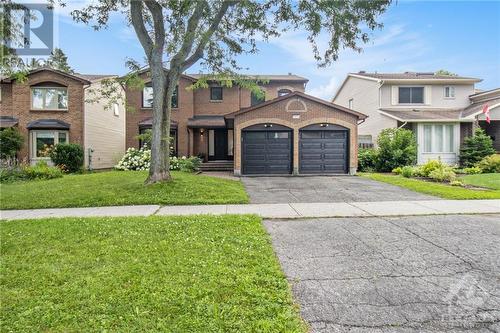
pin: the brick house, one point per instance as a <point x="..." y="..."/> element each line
<point x="51" y="107"/>
<point x="230" y="128"/>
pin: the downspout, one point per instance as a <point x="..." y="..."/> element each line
<point x="89" y="150"/>
<point x="404" y="124"/>
<point x="380" y="84"/>
<point x="189" y="143"/>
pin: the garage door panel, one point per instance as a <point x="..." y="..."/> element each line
<point x="267" y="152"/>
<point x="323" y="151"/>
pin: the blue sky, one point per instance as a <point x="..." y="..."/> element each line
<point x="463" y="37"/>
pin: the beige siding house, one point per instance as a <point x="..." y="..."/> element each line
<point x="436" y="107"/>
<point x="104" y="128"/>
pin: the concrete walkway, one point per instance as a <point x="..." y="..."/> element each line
<point x="285" y="210"/>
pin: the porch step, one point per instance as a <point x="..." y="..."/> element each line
<point x="217" y="166"/>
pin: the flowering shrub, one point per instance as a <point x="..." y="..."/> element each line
<point x="135" y="159"/>
<point x="29" y="172"/>
<point x="140" y="159"/>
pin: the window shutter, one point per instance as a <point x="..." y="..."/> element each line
<point x="394" y="95"/>
<point x="428" y="95"/>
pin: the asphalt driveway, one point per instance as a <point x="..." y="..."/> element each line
<point x="324" y="189"/>
<point x="411" y="274"/>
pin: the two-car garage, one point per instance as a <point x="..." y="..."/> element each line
<point x="268" y="149"/>
<point x="296" y="134"/>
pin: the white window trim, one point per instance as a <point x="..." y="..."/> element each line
<point x="411" y="86"/>
<point x="47" y="87"/>
<point x="451" y="89"/>
<point x="143" y="99"/>
<point x="32" y="146"/>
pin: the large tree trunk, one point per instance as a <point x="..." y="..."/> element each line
<point x="159" y="168"/>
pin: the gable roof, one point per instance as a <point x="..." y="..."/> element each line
<point x="76" y="77"/>
<point x="297" y="94"/>
<point x="412" y="76"/>
<point x="270" y="77"/>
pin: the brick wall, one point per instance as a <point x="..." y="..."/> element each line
<point x="315" y="113"/>
<point x="18" y="104"/>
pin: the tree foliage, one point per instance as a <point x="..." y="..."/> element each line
<point x="397" y="147"/>
<point x="178" y="34"/>
<point x="445" y="72"/>
<point x="11" y="141"/>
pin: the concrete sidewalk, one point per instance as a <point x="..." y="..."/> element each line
<point x="286" y="210"/>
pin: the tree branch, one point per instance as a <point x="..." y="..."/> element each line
<point x="157" y="12"/>
<point x="139" y="27"/>
<point x="198" y="53"/>
<point x="190" y="34"/>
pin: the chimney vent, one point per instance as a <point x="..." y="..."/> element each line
<point x="362" y="72"/>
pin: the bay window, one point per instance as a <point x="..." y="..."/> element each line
<point x="439" y="138"/>
<point x="43" y="141"/>
<point x="49" y="98"/>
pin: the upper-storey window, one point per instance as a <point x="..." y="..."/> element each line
<point x="449" y="92"/>
<point x="255" y="99"/>
<point x="216" y="93"/>
<point x="147" y="97"/>
<point x="283" y="92"/>
<point x="411" y="95"/>
<point x="49" y="98"/>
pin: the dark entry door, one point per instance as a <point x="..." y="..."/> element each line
<point x="323" y="151"/>
<point x="267" y="152"/>
<point x="220" y="140"/>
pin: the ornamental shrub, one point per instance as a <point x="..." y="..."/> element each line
<point x="490" y="164"/>
<point x="444" y="174"/>
<point x="473" y="170"/>
<point x="397" y="170"/>
<point x="39" y="171"/>
<point x="367" y="159"/>
<point x="186" y="164"/>
<point x="429" y="166"/>
<point x="475" y="148"/>
<point x="11" y="141"/>
<point x="135" y="159"/>
<point x="397" y="148"/>
<point x="407" y="171"/>
<point x="68" y="157"/>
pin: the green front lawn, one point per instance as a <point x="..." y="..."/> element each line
<point x="432" y="188"/>
<point x="155" y="274"/>
<point x="117" y="188"/>
<point x="488" y="180"/>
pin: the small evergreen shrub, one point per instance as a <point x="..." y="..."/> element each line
<point x="135" y="159"/>
<point x="11" y="141"/>
<point x="473" y="170"/>
<point x="475" y="148"/>
<point x="490" y="164"/>
<point x="397" y="148"/>
<point x="68" y="157"/>
<point x="367" y="159"/>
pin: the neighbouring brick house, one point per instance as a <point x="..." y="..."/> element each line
<point x="288" y="131"/>
<point x="50" y="107"/>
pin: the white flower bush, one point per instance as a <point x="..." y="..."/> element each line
<point x="135" y="159"/>
<point x="140" y="159"/>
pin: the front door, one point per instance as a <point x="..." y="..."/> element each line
<point x="219" y="149"/>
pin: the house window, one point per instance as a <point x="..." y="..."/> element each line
<point x="283" y="92"/>
<point x="145" y="138"/>
<point x="439" y="138"/>
<point x="411" y="95"/>
<point x="449" y="92"/>
<point x="351" y="101"/>
<point x="254" y="99"/>
<point x="216" y="93"/>
<point x="48" y="98"/>
<point x="42" y="142"/>
<point x="147" y="97"/>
